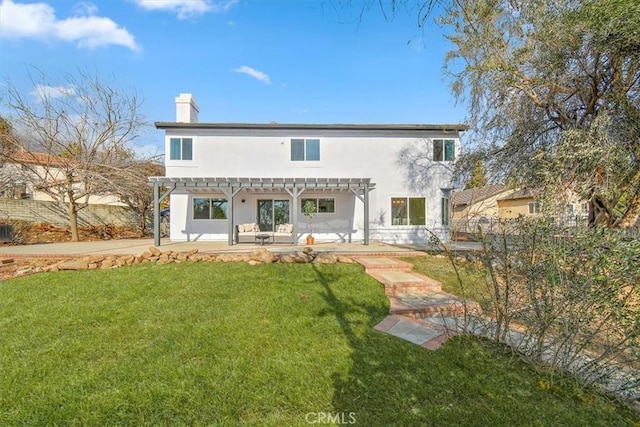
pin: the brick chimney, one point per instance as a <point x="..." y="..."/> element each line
<point x="186" y="109"/>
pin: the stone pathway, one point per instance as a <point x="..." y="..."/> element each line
<point x="424" y="315"/>
<point x="417" y="303"/>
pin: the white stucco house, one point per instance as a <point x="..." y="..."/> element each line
<point x="383" y="182"/>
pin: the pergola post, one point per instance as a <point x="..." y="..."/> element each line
<point x="229" y="193"/>
<point x="294" y="193"/>
<point x="156" y="209"/>
<point x="364" y="198"/>
<point x="156" y="213"/>
<point x="366" y="213"/>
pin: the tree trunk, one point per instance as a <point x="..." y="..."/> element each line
<point x="631" y="217"/>
<point x="599" y="213"/>
<point x="73" y="220"/>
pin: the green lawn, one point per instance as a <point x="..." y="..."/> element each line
<point x="474" y="285"/>
<point x="270" y="345"/>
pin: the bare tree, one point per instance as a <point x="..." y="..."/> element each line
<point x="74" y="135"/>
<point x="131" y="185"/>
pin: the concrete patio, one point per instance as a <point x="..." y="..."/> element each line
<point x="137" y="246"/>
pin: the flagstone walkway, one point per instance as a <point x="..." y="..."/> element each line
<point x="417" y="303"/>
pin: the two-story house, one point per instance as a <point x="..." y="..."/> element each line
<point x="384" y="182"/>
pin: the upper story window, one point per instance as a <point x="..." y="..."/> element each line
<point x="181" y="149"/>
<point x="305" y="149"/>
<point x="444" y="150"/>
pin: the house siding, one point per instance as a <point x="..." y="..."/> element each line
<point x="381" y="158"/>
<point x="397" y="158"/>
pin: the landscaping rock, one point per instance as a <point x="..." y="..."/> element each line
<point x="303" y="258"/>
<point x="287" y="259"/>
<point x="155" y="251"/>
<point x="262" y="255"/>
<point x="345" y="260"/>
<point x="325" y="259"/>
<point x="73" y="264"/>
<point x="309" y="251"/>
<point x="254" y="262"/>
<point x="95" y="259"/>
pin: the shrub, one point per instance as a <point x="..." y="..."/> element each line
<point x="571" y="293"/>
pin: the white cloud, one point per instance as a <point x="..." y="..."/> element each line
<point x="42" y="92"/>
<point x="85" y="8"/>
<point x="258" y="75"/>
<point x="38" y="21"/>
<point x="185" y="9"/>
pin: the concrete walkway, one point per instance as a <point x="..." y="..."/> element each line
<point x="417" y="303"/>
<point x="138" y="246"/>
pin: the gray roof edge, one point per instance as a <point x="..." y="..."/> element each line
<point x="311" y="126"/>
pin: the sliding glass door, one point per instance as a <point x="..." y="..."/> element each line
<point x="272" y="213"/>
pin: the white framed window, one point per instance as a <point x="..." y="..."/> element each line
<point x="584" y="208"/>
<point x="444" y="211"/>
<point x="534" y="208"/>
<point x="444" y="150"/>
<point x="322" y="204"/>
<point x="181" y="149"/>
<point x="305" y="150"/>
<point x="408" y="211"/>
<point x="209" y="208"/>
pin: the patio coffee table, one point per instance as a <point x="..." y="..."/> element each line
<point x="262" y="237"/>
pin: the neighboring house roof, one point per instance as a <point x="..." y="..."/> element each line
<point x="303" y="126"/>
<point x="525" y="193"/>
<point x="474" y="195"/>
<point x="33" y="158"/>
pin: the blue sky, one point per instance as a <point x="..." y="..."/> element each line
<point x="290" y="61"/>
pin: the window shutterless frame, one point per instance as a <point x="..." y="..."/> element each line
<point x="322" y="204"/>
<point x="181" y="149"/>
<point x="444" y="150"/>
<point x="305" y="149"/>
<point x="408" y="211"/>
<point x="209" y="208"/>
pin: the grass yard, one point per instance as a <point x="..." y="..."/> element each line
<point x="228" y="344"/>
<point x="475" y="282"/>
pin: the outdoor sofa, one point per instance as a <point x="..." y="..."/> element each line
<point x="246" y="233"/>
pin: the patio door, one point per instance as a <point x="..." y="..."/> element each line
<point x="272" y="213"/>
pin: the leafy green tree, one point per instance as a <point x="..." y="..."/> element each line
<point x="556" y="86"/>
<point x="478" y="176"/>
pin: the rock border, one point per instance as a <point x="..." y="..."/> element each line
<point x="155" y="256"/>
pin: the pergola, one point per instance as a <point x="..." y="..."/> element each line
<point x="163" y="186"/>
